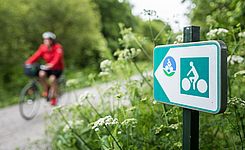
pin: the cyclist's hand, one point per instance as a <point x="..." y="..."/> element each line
<point x="44" y="67"/>
<point x="49" y="66"/>
<point x="28" y="65"/>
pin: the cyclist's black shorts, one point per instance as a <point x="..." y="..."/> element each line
<point x="56" y="73"/>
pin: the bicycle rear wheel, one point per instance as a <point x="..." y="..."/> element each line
<point x="29" y="103"/>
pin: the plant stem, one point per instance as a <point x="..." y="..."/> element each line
<point x="80" y="139"/>
<point x="152" y="37"/>
<point x="159" y="33"/>
<point x="136" y="66"/>
<point x="143" y="49"/>
<point x="104" y="125"/>
<point x="238" y="127"/>
<point x="229" y="77"/>
<point x="166" y="118"/>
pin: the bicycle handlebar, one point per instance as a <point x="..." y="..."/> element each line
<point x="44" y="67"/>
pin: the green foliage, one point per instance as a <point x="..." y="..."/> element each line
<point x="131" y="120"/>
<point x="128" y="118"/>
<point x="114" y="12"/>
<point x="218" y="13"/>
<point x="158" y="31"/>
<point x="23" y="21"/>
<point x="79" y="33"/>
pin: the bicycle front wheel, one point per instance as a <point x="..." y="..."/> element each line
<point x="29" y="104"/>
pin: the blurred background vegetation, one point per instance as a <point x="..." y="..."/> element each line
<point x="87" y="29"/>
<point x="89" y="32"/>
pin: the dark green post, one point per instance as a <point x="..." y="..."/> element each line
<point x="191" y="117"/>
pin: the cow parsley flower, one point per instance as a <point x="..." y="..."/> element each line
<point x="235" y="59"/>
<point x="72" y="82"/>
<point x="174" y="126"/>
<point x="104" y="74"/>
<point x="105" y="67"/>
<point x="159" y="129"/>
<point x="242" y="72"/>
<point x="179" y="39"/>
<point x="57" y="109"/>
<point x="241" y="34"/>
<point x="130" y="122"/>
<point x="84" y="97"/>
<point x="72" y="124"/>
<point x="127" y="54"/>
<point x="216" y="33"/>
<point x="106" y="121"/>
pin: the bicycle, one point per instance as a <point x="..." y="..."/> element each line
<point x="30" y="95"/>
<point x="189" y="82"/>
<point x="202" y="86"/>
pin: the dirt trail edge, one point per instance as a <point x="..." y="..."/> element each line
<point x="17" y="133"/>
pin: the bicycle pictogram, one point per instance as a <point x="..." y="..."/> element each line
<point x="194" y="78"/>
<point x="194" y="81"/>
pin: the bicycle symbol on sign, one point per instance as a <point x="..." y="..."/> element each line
<point x="194" y="81"/>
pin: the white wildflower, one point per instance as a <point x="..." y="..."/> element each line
<point x="57" y="108"/>
<point x="235" y="59"/>
<point x="241" y="34"/>
<point x="96" y="129"/>
<point x="72" y="82"/>
<point x="154" y="102"/>
<point x="85" y="96"/>
<point x="131" y="108"/>
<point x="78" y="122"/>
<point x="242" y="72"/>
<point x="104" y="74"/>
<point x="127" y="54"/>
<point x="130" y="122"/>
<point x="107" y="121"/>
<point x="66" y="128"/>
<point x="174" y="126"/>
<point x="179" y="39"/>
<point x="105" y="65"/>
<point x="72" y="124"/>
<point x="159" y="129"/>
<point x="215" y="33"/>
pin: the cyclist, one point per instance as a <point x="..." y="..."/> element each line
<point x="195" y="76"/>
<point x="52" y="53"/>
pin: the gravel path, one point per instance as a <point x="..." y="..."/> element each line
<point x="17" y="133"/>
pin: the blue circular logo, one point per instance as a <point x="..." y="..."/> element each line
<point x="169" y="66"/>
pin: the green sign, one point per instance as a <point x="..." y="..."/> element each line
<point x="191" y="75"/>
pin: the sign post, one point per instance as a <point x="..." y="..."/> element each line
<point x="192" y="75"/>
<point x="191" y="117"/>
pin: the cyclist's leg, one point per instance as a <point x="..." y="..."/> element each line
<point x="53" y="86"/>
<point x="53" y="80"/>
<point x="192" y="79"/>
<point x="43" y="80"/>
<point x="194" y="82"/>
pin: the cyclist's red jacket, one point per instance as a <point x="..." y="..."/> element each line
<point x="53" y="56"/>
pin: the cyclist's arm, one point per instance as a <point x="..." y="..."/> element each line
<point x="189" y="72"/>
<point x="34" y="57"/>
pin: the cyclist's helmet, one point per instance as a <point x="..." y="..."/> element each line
<point x="49" y="35"/>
